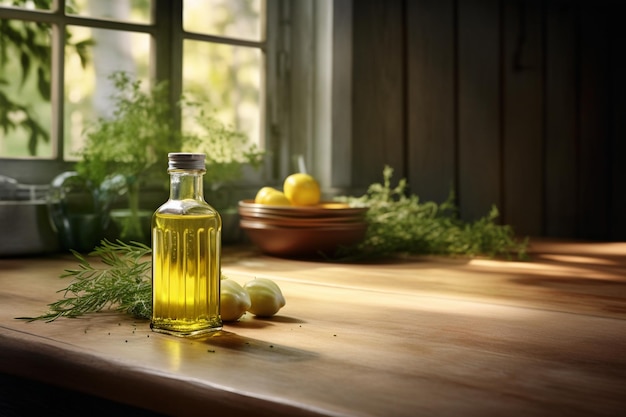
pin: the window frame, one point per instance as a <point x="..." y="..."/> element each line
<point x="166" y="30"/>
<point x="306" y="44"/>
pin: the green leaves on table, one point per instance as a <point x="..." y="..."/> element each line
<point x="122" y="280"/>
<point x="399" y="223"/>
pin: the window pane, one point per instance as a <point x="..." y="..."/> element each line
<point x="88" y="87"/>
<point x="225" y="79"/>
<point x="239" y="19"/>
<point x="27" y="4"/>
<point x="136" y="11"/>
<point x="25" y="110"/>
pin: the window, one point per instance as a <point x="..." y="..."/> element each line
<point x="57" y="55"/>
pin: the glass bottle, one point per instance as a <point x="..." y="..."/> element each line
<point x="186" y="251"/>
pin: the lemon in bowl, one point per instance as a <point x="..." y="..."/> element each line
<point x="271" y="196"/>
<point x="302" y="189"/>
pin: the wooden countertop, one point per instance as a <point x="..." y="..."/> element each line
<point x="427" y="336"/>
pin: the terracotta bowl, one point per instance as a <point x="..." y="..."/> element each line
<point x="302" y="241"/>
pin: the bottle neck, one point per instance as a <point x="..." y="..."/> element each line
<point x="186" y="184"/>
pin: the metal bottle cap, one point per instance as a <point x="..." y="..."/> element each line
<point x="183" y="160"/>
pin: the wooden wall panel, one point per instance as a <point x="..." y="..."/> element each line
<point x="431" y="98"/>
<point x="594" y="167"/>
<point x="378" y="90"/>
<point x="521" y="104"/>
<point x="617" y="127"/>
<point x="479" y="117"/>
<point x="522" y="66"/>
<point x="561" y="98"/>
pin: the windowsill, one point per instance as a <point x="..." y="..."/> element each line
<point x="422" y="336"/>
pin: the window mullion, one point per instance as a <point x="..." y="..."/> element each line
<point x="57" y="84"/>
<point x="167" y="51"/>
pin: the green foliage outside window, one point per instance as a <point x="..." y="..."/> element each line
<point x="23" y="86"/>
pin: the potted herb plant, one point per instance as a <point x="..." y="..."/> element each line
<point x="134" y="142"/>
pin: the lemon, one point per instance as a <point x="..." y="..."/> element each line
<point x="302" y="189"/>
<point x="266" y="298"/>
<point x="234" y="300"/>
<point x="263" y="193"/>
<point x="271" y="196"/>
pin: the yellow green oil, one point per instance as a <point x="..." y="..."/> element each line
<point x="186" y="273"/>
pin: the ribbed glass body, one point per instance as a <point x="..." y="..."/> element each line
<point x="186" y="250"/>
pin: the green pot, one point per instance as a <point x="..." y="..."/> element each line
<point x="131" y="228"/>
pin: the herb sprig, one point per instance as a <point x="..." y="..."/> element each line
<point x="399" y="223"/>
<point x="123" y="282"/>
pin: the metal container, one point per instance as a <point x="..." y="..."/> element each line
<point x="25" y="224"/>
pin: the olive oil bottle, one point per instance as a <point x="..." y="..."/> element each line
<point x="186" y="250"/>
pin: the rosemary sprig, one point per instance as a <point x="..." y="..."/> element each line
<point x="123" y="283"/>
<point x="399" y="223"/>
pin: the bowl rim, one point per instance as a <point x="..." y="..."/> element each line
<point x="271" y="218"/>
<point x="324" y="208"/>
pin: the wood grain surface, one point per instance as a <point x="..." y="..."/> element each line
<point x="422" y="336"/>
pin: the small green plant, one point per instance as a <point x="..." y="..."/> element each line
<point x="135" y="140"/>
<point x="137" y="136"/>
<point x="400" y="224"/>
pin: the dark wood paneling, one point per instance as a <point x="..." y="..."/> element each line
<point x="594" y="168"/>
<point x="378" y="88"/>
<point x="522" y="67"/>
<point x="561" y="118"/>
<point x="520" y="104"/>
<point x="431" y="98"/>
<point x="617" y="219"/>
<point x="479" y="107"/>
